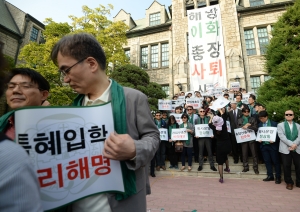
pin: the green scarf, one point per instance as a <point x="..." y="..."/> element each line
<point x="4" y="120"/>
<point x="239" y="104"/>
<point x="290" y="135"/>
<point x="170" y="129"/>
<point x="157" y="123"/>
<point x="206" y="119"/>
<point x="268" y="125"/>
<point x="191" y="118"/>
<point x="189" y="136"/>
<point x="119" y="114"/>
<point x="245" y="120"/>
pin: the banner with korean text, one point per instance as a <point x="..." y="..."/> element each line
<point x="266" y="134"/>
<point x="163" y="134"/>
<point x="203" y="130"/>
<point x="164" y="104"/>
<point x="242" y="135"/>
<point x="179" y="134"/>
<point x="65" y="145"/>
<point x="206" y="47"/>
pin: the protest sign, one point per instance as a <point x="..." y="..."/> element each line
<point x="65" y="145"/>
<point x="179" y="134"/>
<point x="182" y="98"/>
<point x="195" y="102"/>
<point x="242" y="135"/>
<point x="219" y="103"/>
<point x="177" y="117"/>
<point x="163" y="134"/>
<point x="164" y="104"/>
<point x="245" y="98"/>
<point x="235" y="86"/>
<point x="266" y="134"/>
<point x="203" y="130"/>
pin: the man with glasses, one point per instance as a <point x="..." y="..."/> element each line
<point x="82" y="61"/>
<point x="247" y="122"/>
<point x="238" y="98"/>
<point x="288" y="132"/>
<point x="25" y="87"/>
<point x="160" y="154"/>
<point x="204" y="141"/>
<point x="192" y="119"/>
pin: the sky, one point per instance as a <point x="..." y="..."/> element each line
<point x="59" y="10"/>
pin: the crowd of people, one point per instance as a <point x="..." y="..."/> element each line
<point x="251" y="115"/>
<point x="81" y="61"/>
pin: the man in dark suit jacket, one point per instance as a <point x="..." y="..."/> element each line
<point x="234" y="114"/>
<point x="269" y="149"/>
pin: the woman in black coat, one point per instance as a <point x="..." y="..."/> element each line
<point x="218" y="125"/>
<point x="172" y="155"/>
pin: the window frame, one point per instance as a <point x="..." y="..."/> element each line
<point x="165" y="55"/>
<point x="250" y="51"/>
<point x="262" y="45"/>
<point x="34" y="34"/>
<point x="144" y="57"/>
<point x="254" y="3"/>
<point x="154" y="19"/>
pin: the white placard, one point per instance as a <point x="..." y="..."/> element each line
<point x="163" y="134"/>
<point x="231" y="96"/>
<point x="65" y="145"/>
<point x="218" y="92"/>
<point x="195" y="102"/>
<point x="179" y="134"/>
<point x="203" y="130"/>
<point x="177" y="117"/>
<point x="228" y="126"/>
<point x="219" y="103"/>
<point x="206" y="47"/>
<point x="245" y="98"/>
<point x="164" y="104"/>
<point x="182" y="98"/>
<point x="235" y="86"/>
<point x="266" y="134"/>
<point x="242" y="135"/>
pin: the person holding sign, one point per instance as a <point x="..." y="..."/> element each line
<point x="218" y="125"/>
<point x="289" y="147"/>
<point x="160" y="155"/>
<point x="204" y="141"/>
<point x="192" y="119"/>
<point x="82" y="62"/>
<point x="187" y="144"/>
<point x="172" y="155"/>
<point x="247" y="122"/>
<point x="269" y="149"/>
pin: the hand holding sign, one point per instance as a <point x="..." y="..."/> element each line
<point x="119" y="147"/>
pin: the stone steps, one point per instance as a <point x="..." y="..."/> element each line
<point x="235" y="171"/>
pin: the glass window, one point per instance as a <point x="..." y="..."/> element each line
<point x="166" y="89"/>
<point x="34" y="34"/>
<point x="254" y="3"/>
<point x="255" y="83"/>
<point x="250" y="43"/>
<point x="154" y="19"/>
<point x="154" y="56"/>
<point x="164" y="55"/>
<point x="144" y="57"/>
<point x="267" y="77"/>
<point x="263" y="39"/>
<point x="127" y="53"/>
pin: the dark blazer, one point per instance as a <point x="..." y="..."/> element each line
<point x="233" y="124"/>
<point x="274" y="145"/>
<point x="251" y="121"/>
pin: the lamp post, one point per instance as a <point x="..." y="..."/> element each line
<point x="237" y="79"/>
<point x="179" y="86"/>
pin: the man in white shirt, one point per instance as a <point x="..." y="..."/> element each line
<point x="82" y="62"/>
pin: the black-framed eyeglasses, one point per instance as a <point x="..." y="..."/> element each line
<point x="189" y="109"/>
<point x="65" y="72"/>
<point x="201" y="111"/>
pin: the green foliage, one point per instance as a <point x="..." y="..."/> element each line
<point x="111" y="36"/>
<point x="10" y="62"/>
<point x="134" y="77"/>
<point x="281" y="92"/>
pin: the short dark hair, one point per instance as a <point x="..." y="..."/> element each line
<point x="239" y="94"/>
<point x="178" y="108"/>
<point x="245" y="109"/>
<point x="263" y="113"/>
<point x="226" y="94"/>
<point x="35" y="77"/>
<point x="157" y="112"/>
<point x="79" y="46"/>
<point x="184" y="115"/>
<point x="190" y="106"/>
<point x="252" y="96"/>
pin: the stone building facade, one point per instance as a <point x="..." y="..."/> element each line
<point x="163" y="35"/>
<point x="17" y="29"/>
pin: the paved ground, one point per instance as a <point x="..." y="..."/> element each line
<point x="190" y="193"/>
